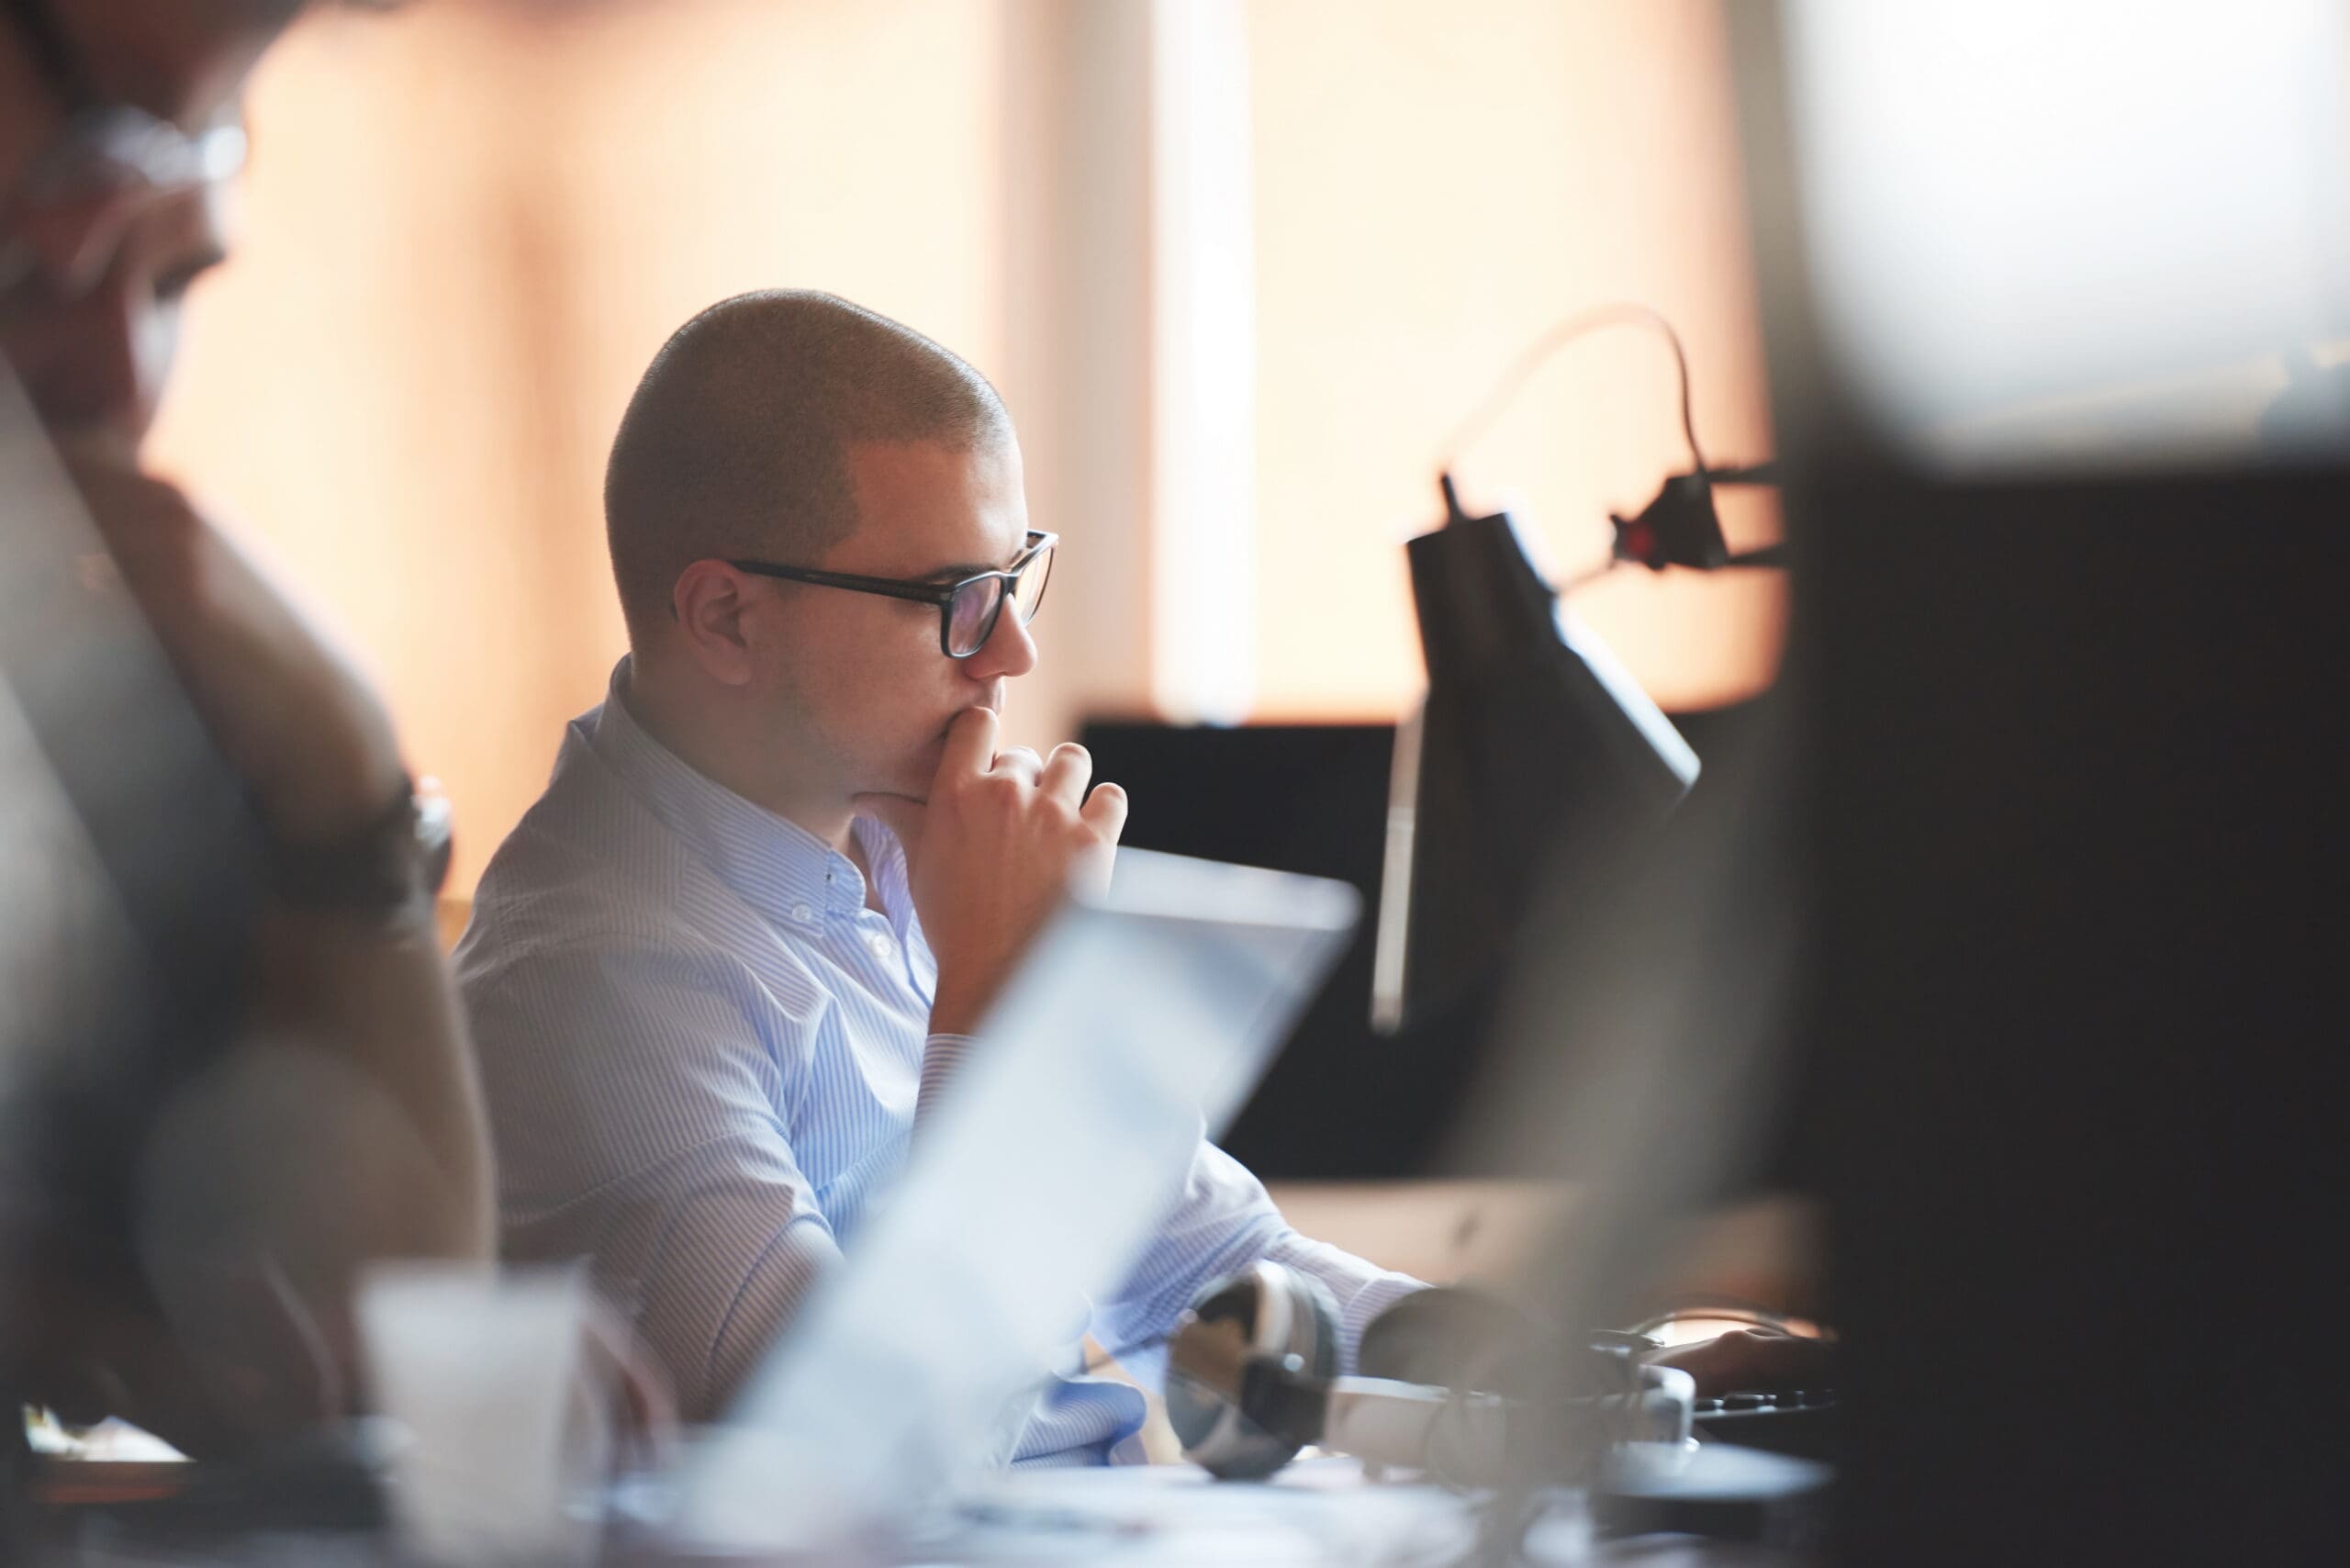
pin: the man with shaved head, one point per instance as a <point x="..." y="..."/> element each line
<point x="180" y="1247"/>
<point x="725" y="962"/>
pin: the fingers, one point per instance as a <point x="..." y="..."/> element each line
<point x="76" y="241"/>
<point x="1019" y="762"/>
<point x="1104" y="817"/>
<point x="970" y="745"/>
<point x="1065" y="774"/>
<point x="1105" y="813"/>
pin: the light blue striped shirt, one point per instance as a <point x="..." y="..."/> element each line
<point x="704" y="1054"/>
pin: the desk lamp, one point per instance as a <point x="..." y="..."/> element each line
<point x="1534" y="745"/>
<point x="1531" y="733"/>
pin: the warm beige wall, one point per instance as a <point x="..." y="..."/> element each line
<point x="1436" y="184"/>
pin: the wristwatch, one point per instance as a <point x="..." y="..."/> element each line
<point x="391" y="868"/>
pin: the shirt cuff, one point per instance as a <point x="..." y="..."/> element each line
<point x="939" y="1058"/>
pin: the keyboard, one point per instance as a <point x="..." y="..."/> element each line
<point x="1801" y="1422"/>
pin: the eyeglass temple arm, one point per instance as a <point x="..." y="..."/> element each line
<point x="939" y="594"/>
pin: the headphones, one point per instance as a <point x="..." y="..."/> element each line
<point x="1252" y="1377"/>
<point x="1265" y="1315"/>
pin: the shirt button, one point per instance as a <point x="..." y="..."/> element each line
<point x="882" y="947"/>
<point x="801" y="912"/>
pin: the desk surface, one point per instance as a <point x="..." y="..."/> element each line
<point x="1322" y="1512"/>
<point x="1442" y="1230"/>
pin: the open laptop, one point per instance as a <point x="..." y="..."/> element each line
<point x="1139" y="1022"/>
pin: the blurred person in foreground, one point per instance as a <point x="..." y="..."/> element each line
<point x="727" y="963"/>
<point x="204" y="1292"/>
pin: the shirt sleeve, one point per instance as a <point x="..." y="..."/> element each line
<point x="633" y="1098"/>
<point x="1222" y="1222"/>
<point x="942" y="1055"/>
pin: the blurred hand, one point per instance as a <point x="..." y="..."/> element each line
<point x="287" y="708"/>
<point x="1752" y="1360"/>
<point x="1002" y="839"/>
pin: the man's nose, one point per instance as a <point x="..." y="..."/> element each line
<point x="1009" y="652"/>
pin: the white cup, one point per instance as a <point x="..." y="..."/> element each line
<point x="500" y="1427"/>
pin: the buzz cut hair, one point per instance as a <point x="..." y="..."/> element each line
<point x="736" y="441"/>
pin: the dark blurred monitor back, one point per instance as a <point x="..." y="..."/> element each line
<point x="1344" y="1101"/>
<point x="2072" y="714"/>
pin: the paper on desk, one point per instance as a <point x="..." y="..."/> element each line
<point x="1320" y="1511"/>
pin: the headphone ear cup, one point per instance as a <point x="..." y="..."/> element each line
<point x="1281" y="1313"/>
<point x="1454" y="1337"/>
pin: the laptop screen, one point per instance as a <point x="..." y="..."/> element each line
<point x="1136" y="1027"/>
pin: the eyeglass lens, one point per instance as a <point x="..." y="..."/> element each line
<point x="972" y="613"/>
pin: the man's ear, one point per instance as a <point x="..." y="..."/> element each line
<point x="710" y="601"/>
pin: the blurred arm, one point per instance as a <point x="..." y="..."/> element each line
<point x="341" y="1123"/>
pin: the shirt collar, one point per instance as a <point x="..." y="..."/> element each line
<point x="786" y="873"/>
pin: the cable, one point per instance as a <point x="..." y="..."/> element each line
<point x="1620" y="313"/>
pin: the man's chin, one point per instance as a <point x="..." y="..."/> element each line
<point x="922" y="766"/>
<point x="911" y="777"/>
<point x="908" y="784"/>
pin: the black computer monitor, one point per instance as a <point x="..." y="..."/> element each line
<point x="1346" y="1099"/>
<point x="1342" y="1100"/>
<point x="2068" y="674"/>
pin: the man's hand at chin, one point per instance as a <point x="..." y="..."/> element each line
<point x="1001" y="836"/>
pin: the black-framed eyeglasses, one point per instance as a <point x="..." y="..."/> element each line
<point x="967" y="610"/>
